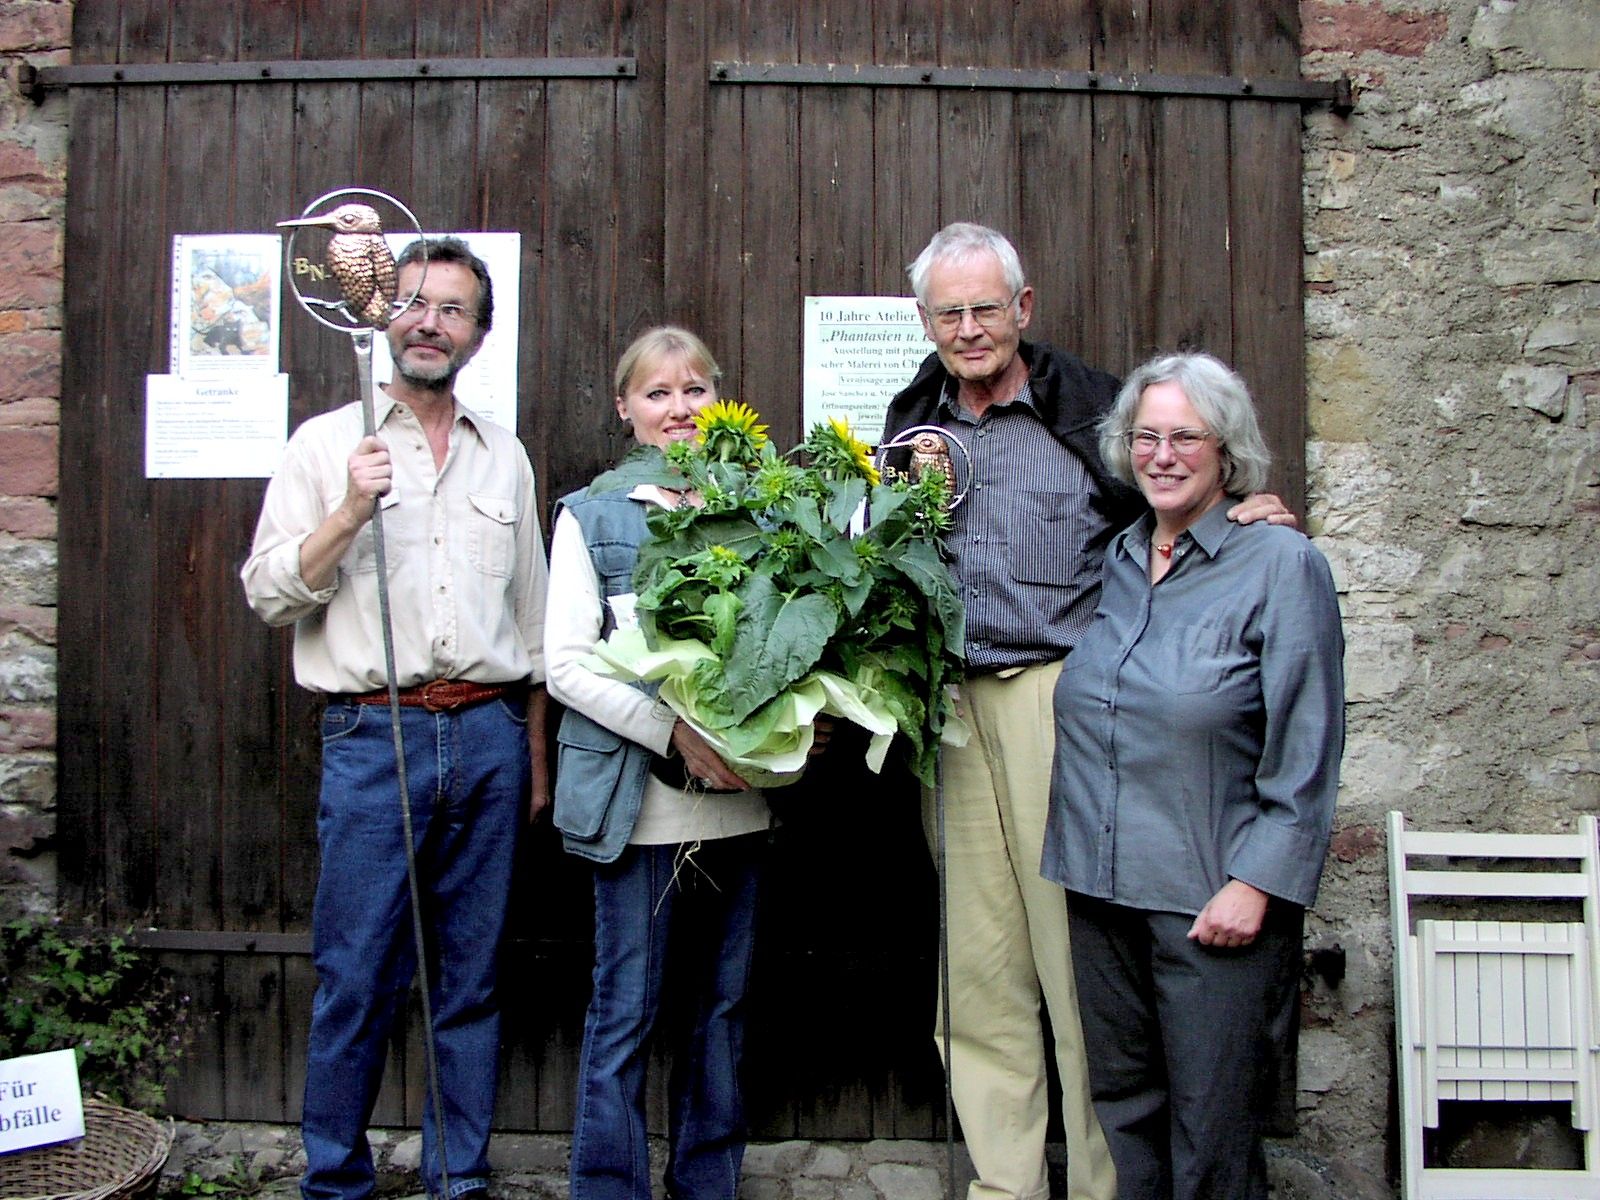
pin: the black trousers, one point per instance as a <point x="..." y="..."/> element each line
<point x="1184" y="1043"/>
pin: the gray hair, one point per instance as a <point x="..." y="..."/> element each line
<point x="1221" y="398"/>
<point x="964" y="240"/>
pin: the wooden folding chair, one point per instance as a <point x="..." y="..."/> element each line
<point x="1496" y="1010"/>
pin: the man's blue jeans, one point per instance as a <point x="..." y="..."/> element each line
<point x="468" y="776"/>
<point x="698" y="909"/>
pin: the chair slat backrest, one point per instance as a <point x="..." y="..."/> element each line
<point x="1496" y="1010"/>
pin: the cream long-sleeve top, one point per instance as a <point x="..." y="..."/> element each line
<point x="462" y="543"/>
<point x="573" y="624"/>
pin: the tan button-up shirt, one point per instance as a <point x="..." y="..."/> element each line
<point x="462" y="544"/>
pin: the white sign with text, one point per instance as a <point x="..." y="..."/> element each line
<point x="859" y="351"/>
<point x="40" y="1101"/>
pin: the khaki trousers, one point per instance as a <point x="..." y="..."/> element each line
<point x="1008" y="943"/>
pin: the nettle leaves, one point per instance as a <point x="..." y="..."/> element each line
<point x="765" y="573"/>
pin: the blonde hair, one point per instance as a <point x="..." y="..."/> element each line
<point x="662" y="340"/>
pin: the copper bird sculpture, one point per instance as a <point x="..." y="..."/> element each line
<point x="359" y="260"/>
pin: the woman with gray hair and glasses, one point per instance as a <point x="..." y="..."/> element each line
<point x="1199" y="726"/>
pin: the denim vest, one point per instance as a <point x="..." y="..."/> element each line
<point x="600" y="776"/>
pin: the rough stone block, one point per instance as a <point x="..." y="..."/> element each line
<point x="26" y="27"/>
<point x="29" y="461"/>
<point x="1356" y="28"/>
<point x="28" y="572"/>
<point x="1543" y="389"/>
<point x="407" y="1154"/>
<point x="27" y="517"/>
<point x="528" y="1152"/>
<point x="901" y="1181"/>
<point x="1379" y="773"/>
<point x="30" y="365"/>
<point x="1378" y="660"/>
<point x="1523" y="256"/>
<point x="829" y="1162"/>
<point x="778" y="1160"/>
<point x="27" y="672"/>
<point x="1323" y="1060"/>
<point x="903" y="1151"/>
<point x="1560" y="34"/>
<point x="27" y="729"/>
<point x="28" y="780"/>
<point x="30" y="264"/>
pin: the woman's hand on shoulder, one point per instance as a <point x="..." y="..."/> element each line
<point x="704" y="763"/>
<point x="1232" y="917"/>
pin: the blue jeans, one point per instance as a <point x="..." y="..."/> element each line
<point x="468" y="776"/>
<point x="697" y="908"/>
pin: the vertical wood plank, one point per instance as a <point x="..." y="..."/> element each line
<point x="580" y="246"/>
<point x="770" y="326"/>
<point x="1056" y="183"/>
<point x="687" y="104"/>
<point x="136" y="346"/>
<point x="719" y="200"/>
<point x="978" y="163"/>
<point x="1264" y="234"/>
<point x="443" y="127"/>
<point x="1120" y="325"/>
<point x="836" y="177"/>
<point x="1193" y="310"/>
<point x="905" y="148"/>
<point x="83" y="799"/>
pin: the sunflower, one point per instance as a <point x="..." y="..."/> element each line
<point x="838" y="453"/>
<point x="730" y="432"/>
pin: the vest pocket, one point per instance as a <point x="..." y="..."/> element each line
<point x="589" y="761"/>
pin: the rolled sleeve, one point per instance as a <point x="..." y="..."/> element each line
<point x="292" y="510"/>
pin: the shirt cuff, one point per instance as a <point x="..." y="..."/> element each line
<point x="1281" y="861"/>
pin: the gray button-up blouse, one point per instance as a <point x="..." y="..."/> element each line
<point x="1200" y="721"/>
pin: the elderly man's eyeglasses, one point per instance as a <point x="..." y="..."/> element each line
<point x="1182" y="441"/>
<point x="449" y="314"/>
<point x="987" y="313"/>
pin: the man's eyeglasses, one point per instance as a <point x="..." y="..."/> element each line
<point x="987" y="313"/>
<point x="449" y="314"/>
<point x="1182" y="441"/>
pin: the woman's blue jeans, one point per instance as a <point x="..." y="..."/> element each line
<point x="468" y="777"/>
<point x="687" y="916"/>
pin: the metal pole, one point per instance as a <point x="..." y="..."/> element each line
<point x="944" y="977"/>
<point x="361" y="340"/>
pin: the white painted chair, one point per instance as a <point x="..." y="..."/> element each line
<point x="1496" y="1010"/>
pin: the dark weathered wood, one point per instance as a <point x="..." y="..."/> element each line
<point x="81" y="795"/>
<point x="1269" y="322"/>
<point x="189" y="759"/>
<point x="1120" y="323"/>
<point x="1193" y="277"/>
<point x="1055" y="144"/>
<point x="136" y="340"/>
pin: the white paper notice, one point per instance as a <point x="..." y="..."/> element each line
<point x="214" y="428"/>
<point x="488" y="384"/>
<point x="40" y="1101"/>
<point x="859" y="351"/>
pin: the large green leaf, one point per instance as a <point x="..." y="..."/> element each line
<point x="778" y="638"/>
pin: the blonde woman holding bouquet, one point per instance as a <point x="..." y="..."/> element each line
<point x="678" y="841"/>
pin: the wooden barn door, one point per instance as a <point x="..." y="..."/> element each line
<point x="698" y="162"/>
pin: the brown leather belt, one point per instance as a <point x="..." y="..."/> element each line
<point x="441" y="695"/>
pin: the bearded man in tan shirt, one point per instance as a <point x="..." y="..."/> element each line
<point x="466" y="584"/>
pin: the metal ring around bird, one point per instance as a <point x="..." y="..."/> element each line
<point x="351" y="325"/>
<point x="904" y="439"/>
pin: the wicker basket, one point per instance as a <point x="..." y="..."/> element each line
<point x="119" y="1157"/>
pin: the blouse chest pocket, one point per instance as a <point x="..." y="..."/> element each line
<point x="491" y="534"/>
<point x="1197" y="657"/>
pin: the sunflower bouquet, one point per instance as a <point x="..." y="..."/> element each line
<point x="757" y="609"/>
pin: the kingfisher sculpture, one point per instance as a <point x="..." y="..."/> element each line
<point x="360" y="261"/>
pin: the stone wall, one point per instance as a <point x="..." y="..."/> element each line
<point x="33" y="165"/>
<point x="1452" y="301"/>
<point x="1453" y="363"/>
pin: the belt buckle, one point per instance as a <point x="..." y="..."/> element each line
<point x="445" y="688"/>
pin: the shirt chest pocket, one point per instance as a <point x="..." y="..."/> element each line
<point x="491" y="534"/>
<point x="1046" y="531"/>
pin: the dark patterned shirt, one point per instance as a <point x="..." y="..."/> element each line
<point x="1019" y="541"/>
